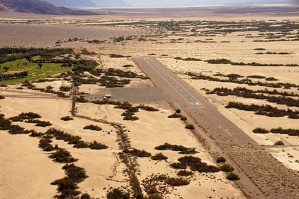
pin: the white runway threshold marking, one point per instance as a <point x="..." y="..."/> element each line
<point x="181" y="90"/>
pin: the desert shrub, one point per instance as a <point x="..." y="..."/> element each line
<point x="185" y="173"/>
<point x="177" y="181"/>
<point x="97" y="146"/>
<point x="2" y="97"/>
<point x="45" y="145"/>
<point x="65" y="88"/>
<point x="154" y="196"/>
<point x="131" y="118"/>
<point x="36" y="134"/>
<point x="67" y="188"/>
<point x="5" y="124"/>
<point x="174" y="147"/>
<point x="178" y="165"/>
<point x="147" y="108"/>
<point x="138" y="153"/>
<point x="220" y="159"/>
<point x="190" y="126"/>
<point x="159" y="156"/>
<point x="183" y="118"/>
<point x="29" y="115"/>
<point x="66" y="118"/>
<point x="196" y="164"/>
<point x="75" y="173"/>
<point x="260" y="131"/>
<point x="85" y="196"/>
<point x="62" y="156"/>
<point x="43" y="123"/>
<point x="16" y="129"/>
<point x="81" y="144"/>
<point x="279" y="143"/>
<point x="175" y="115"/>
<point x="118" y="194"/>
<point x="226" y="168"/>
<point x="178" y="111"/>
<point x="93" y="127"/>
<point x="271" y="79"/>
<point x="232" y="176"/>
<point x="127" y="114"/>
<point x="290" y="132"/>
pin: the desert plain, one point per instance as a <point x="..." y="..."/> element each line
<point x="252" y="60"/>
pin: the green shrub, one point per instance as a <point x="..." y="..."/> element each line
<point x="85" y="196"/>
<point x="260" y="131"/>
<point x="66" y="118"/>
<point x="76" y="174"/>
<point x="93" y="127"/>
<point x="220" y="159"/>
<point x="232" y="176"/>
<point x="62" y="156"/>
<point x="174" y="147"/>
<point x="97" y="146"/>
<point x="226" y="168"/>
<point x="185" y="173"/>
<point x="279" y="143"/>
<point x="159" y="156"/>
<point x="177" y="181"/>
<point x="45" y="145"/>
<point x="137" y="152"/>
<point x="67" y="188"/>
<point x="118" y="194"/>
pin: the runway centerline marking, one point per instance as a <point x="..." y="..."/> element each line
<point x="157" y="66"/>
<point x="167" y="81"/>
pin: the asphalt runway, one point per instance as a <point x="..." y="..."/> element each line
<point x="262" y="176"/>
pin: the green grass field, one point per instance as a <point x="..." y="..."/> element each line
<point x="47" y="70"/>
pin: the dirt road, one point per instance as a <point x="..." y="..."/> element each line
<point x="262" y="176"/>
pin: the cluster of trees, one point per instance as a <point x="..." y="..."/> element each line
<point x="187" y="59"/>
<point x="159" y="156"/>
<point x="174" y="147"/>
<point x="118" y="56"/>
<point x="247" y="93"/>
<point x="16" y="75"/>
<point x="266" y="110"/>
<point x="112" y="82"/>
<point x="137" y="152"/>
<point x="93" y="127"/>
<point x="185" y="173"/>
<point x="67" y="118"/>
<point x="242" y="81"/>
<point x="178" y="114"/>
<point x="11" y="54"/>
<point x="62" y="156"/>
<point x="195" y="164"/>
<point x="67" y="186"/>
<point x="76" y="141"/>
<point x="226" y="61"/>
<point x="121" y="73"/>
<point x="290" y="132"/>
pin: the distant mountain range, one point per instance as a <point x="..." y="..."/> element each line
<point x="88" y="3"/>
<point x="155" y="3"/>
<point x="38" y="7"/>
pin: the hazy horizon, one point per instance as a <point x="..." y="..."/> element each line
<point x="146" y="3"/>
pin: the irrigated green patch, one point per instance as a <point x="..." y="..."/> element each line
<point x="34" y="72"/>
